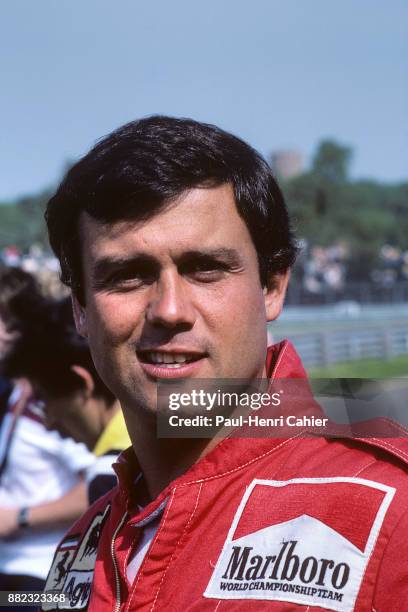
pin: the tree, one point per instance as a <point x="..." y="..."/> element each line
<point x="327" y="207"/>
<point x="331" y="161"/>
<point x="22" y="223"/>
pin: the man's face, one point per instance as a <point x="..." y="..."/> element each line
<point x="176" y="296"/>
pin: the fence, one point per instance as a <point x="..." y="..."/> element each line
<point x="363" y="293"/>
<point x="324" y="348"/>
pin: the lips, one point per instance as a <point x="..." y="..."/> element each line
<point x="170" y="364"/>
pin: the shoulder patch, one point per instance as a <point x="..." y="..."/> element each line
<point x="305" y="541"/>
<point x="73" y="566"/>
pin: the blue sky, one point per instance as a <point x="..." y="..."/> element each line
<point x="279" y="73"/>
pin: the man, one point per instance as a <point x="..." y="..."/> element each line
<point x="175" y="240"/>
<point x="42" y="474"/>
<point x="77" y="402"/>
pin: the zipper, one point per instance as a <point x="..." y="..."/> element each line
<point x="115" y="565"/>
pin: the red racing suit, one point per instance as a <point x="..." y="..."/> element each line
<point x="257" y="524"/>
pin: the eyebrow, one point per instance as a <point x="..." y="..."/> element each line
<point x="109" y="264"/>
<point x="228" y="256"/>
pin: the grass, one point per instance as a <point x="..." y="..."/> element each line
<point x="365" y="368"/>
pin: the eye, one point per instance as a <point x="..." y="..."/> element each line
<point x="130" y="278"/>
<point x="124" y="277"/>
<point x="205" y="270"/>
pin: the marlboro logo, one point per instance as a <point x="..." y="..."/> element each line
<point x="285" y="571"/>
<point x="309" y="560"/>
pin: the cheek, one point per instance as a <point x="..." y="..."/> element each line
<point x="113" y="319"/>
<point x="251" y="320"/>
<point x="238" y="311"/>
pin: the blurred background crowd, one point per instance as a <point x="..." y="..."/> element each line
<point x="60" y="427"/>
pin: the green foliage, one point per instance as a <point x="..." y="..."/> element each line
<point x="22" y="222"/>
<point x="365" y="368"/>
<point x="331" y="161"/>
<point x="327" y="207"/>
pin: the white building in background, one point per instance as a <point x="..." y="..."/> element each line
<point x="287" y="163"/>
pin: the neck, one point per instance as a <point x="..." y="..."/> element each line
<point x="163" y="459"/>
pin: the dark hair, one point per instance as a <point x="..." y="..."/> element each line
<point x="48" y="348"/>
<point x="139" y="168"/>
<point x="20" y="299"/>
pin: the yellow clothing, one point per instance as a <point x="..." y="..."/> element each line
<point x="114" y="436"/>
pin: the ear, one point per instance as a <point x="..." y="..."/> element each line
<point x="86" y="378"/>
<point x="79" y="316"/>
<point x="274" y="294"/>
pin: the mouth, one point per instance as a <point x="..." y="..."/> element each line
<point x="170" y="364"/>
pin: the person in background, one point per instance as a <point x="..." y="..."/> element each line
<point x="42" y="479"/>
<point x="77" y="402"/>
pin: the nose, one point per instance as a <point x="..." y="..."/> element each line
<point x="170" y="304"/>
